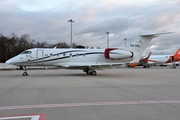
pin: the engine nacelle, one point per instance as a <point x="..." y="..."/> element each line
<point x="114" y="53"/>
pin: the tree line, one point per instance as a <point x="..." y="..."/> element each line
<point x="13" y="45"/>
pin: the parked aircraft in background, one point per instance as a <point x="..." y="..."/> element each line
<point x="142" y="62"/>
<point x="158" y="59"/>
<point x="85" y="59"/>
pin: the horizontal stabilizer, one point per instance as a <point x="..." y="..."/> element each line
<point x="153" y="34"/>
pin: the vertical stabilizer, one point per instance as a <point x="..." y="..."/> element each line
<point x="141" y="42"/>
<point x="177" y="53"/>
<point x="177" y="56"/>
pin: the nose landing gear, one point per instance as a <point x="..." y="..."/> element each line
<point x="25" y="72"/>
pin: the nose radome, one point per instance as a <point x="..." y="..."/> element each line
<point x="8" y="62"/>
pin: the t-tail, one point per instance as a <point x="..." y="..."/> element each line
<point x="141" y="42"/>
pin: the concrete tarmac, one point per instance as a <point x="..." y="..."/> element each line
<point x="113" y="94"/>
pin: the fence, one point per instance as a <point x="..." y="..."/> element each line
<point x="4" y="66"/>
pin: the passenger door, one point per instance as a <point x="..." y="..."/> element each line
<point x="39" y="57"/>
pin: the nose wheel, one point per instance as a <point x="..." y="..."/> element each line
<point x="25" y="72"/>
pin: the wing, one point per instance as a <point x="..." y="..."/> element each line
<point x="91" y="65"/>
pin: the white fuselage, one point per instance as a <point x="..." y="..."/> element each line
<point x="65" y="57"/>
<point x="158" y="58"/>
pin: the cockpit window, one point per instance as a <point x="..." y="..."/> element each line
<point x="26" y="52"/>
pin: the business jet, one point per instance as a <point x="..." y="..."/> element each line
<point x="88" y="60"/>
<point x="158" y="59"/>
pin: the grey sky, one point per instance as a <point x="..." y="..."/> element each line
<point x="46" y="20"/>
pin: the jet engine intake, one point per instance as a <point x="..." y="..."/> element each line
<point x="114" y="53"/>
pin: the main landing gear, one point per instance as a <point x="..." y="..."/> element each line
<point x="90" y="71"/>
<point x="146" y="66"/>
<point x="25" y="72"/>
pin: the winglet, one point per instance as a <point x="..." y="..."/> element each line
<point x="141" y="62"/>
<point x="145" y="60"/>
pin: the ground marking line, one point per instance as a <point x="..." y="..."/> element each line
<point x="89" y="104"/>
<point x="24" y="116"/>
<point x="17" y="117"/>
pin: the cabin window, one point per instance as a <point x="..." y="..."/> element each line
<point x="26" y="52"/>
<point x="77" y="54"/>
<point x="70" y="54"/>
<point x="64" y="54"/>
<point x="51" y="54"/>
<point x="57" y="55"/>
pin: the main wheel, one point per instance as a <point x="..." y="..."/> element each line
<point x="93" y="73"/>
<point x="148" y="66"/>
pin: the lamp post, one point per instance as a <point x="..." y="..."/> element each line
<point x="107" y="39"/>
<point x="71" y="30"/>
<point x="125" y="41"/>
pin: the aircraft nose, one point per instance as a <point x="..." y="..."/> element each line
<point x="9" y="61"/>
